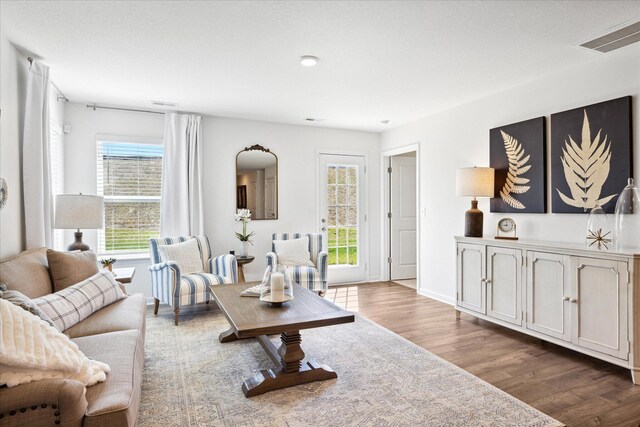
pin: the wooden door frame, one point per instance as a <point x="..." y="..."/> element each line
<point x="365" y="203"/>
<point x="385" y="238"/>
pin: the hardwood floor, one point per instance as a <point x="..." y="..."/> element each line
<point x="573" y="388"/>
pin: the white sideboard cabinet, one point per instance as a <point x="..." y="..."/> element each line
<point x="581" y="298"/>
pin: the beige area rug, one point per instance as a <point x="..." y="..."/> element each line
<point x="191" y="379"/>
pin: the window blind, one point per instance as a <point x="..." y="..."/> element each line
<point x="129" y="177"/>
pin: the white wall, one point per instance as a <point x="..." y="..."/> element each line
<point x="295" y="146"/>
<point x="459" y="137"/>
<point x="13" y="69"/>
<point x="80" y="163"/>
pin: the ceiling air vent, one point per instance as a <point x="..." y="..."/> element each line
<point x="615" y="39"/>
<point x="164" y="104"/>
<point x="313" y="119"/>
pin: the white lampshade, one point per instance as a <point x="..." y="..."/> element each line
<point x="475" y="182"/>
<point x="79" y="211"/>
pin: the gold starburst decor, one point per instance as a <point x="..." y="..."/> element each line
<point x="599" y="239"/>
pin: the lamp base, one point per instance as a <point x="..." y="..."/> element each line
<point x="473" y="219"/>
<point x="78" y="245"/>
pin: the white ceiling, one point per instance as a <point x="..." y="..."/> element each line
<point x="395" y="61"/>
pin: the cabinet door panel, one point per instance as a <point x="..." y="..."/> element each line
<point x="504" y="282"/>
<point x="548" y="285"/>
<point x="599" y="306"/>
<point x="471" y="275"/>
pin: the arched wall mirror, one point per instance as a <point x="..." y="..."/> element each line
<point x="257" y="182"/>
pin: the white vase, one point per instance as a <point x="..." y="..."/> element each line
<point x="627" y="219"/>
<point x="244" y="249"/>
<point x="599" y="230"/>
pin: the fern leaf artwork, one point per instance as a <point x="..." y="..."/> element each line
<point x="515" y="183"/>
<point x="586" y="169"/>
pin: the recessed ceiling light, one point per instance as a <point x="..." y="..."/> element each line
<point x="385" y="122"/>
<point x="308" y="60"/>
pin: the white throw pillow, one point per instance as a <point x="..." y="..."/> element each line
<point x="186" y="254"/>
<point x="71" y="305"/>
<point x="293" y="252"/>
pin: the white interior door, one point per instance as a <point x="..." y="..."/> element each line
<point x="342" y="216"/>
<point x="403" y="218"/>
<point x="270" y="197"/>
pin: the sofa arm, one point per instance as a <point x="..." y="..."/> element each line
<point x="44" y="403"/>
<point x="169" y="264"/>
<point x="165" y="277"/>
<point x="321" y="261"/>
<point x="225" y="266"/>
<point x="272" y="259"/>
<point x="322" y="266"/>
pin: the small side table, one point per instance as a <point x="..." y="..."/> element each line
<point x="124" y="276"/>
<point x="242" y="260"/>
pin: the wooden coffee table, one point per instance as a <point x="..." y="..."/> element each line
<point x="251" y="318"/>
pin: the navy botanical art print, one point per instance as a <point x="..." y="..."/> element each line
<point x="590" y="156"/>
<point x="517" y="153"/>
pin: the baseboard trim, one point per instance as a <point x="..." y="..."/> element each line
<point x="437" y="296"/>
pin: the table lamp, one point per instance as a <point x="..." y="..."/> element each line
<point x="474" y="182"/>
<point x="79" y="211"/>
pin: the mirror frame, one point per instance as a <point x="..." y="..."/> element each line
<point x="258" y="147"/>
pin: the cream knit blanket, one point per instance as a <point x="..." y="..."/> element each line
<point x="32" y="350"/>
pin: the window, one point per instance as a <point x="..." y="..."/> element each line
<point x="342" y="206"/>
<point x="129" y="178"/>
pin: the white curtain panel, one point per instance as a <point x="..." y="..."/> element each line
<point x="181" y="212"/>
<point x="36" y="164"/>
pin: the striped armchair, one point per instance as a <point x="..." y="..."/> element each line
<point x="313" y="278"/>
<point x="168" y="286"/>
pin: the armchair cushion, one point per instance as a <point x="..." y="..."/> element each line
<point x="194" y="288"/>
<point x="305" y="276"/>
<point x="185" y="254"/>
<point x="293" y="252"/>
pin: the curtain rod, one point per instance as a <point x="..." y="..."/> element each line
<point x="60" y="94"/>
<point x="94" y="106"/>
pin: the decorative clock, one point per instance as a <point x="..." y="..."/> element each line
<point x="506" y="229"/>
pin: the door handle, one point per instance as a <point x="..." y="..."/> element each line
<point x="565" y="298"/>
<point x="574" y="300"/>
<point x="324" y="229"/>
<point x="323" y="220"/>
<point x="487" y="281"/>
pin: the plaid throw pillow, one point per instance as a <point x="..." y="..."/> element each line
<point x="77" y="302"/>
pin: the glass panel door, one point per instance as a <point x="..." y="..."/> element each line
<point x="342" y="216"/>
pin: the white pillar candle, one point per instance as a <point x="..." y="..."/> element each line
<point x="277" y="286"/>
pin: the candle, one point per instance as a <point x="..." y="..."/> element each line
<point x="277" y="287"/>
